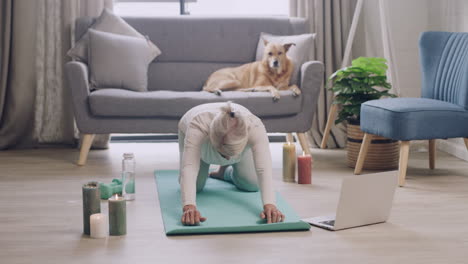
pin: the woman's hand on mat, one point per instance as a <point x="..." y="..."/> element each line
<point x="191" y="215"/>
<point x="272" y="214"/>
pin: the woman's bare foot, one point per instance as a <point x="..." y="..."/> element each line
<point x="218" y="174"/>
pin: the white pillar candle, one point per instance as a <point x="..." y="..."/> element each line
<point x="99" y="226"/>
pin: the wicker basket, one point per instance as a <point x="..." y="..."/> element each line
<point x="383" y="153"/>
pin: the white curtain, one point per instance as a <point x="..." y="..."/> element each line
<point x="330" y="20"/>
<point x="54" y="121"/>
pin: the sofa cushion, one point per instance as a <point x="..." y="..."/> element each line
<point x="173" y="104"/>
<point x="181" y="76"/>
<point x="194" y="47"/>
<point x="414" y="119"/>
<point x="107" y="22"/>
<point x="118" y="61"/>
<point x="298" y="53"/>
<point x="207" y="39"/>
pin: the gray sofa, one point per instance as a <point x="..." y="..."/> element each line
<point x="192" y="48"/>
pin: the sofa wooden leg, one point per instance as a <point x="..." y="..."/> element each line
<point x="304" y="143"/>
<point x="432" y="153"/>
<point x="403" y="165"/>
<point x="363" y="153"/>
<point x="85" y="146"/>
<point x="330" y="121"/>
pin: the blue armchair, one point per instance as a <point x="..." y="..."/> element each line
<point x="441" y="113"/>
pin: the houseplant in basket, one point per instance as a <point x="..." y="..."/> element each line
<point x="364" y="80"/>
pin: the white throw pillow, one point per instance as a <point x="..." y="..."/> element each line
<point x="299" y="54"/>
<point x="109" y="22"/>
<point x="117" y="61"/>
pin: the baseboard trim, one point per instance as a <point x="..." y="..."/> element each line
<point x="455" y="147"/>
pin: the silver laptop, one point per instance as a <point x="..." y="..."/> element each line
<point x="364" y="200"/>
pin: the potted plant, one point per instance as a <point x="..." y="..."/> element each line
<point x="364" y="80"/>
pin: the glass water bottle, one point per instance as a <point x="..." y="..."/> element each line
<point x="128" y="176"/>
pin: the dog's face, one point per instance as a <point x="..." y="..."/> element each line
<point x="275" y="55"/>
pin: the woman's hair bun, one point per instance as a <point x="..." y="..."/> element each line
<point x="228" y="135"/>
<point x="228" y="109"/>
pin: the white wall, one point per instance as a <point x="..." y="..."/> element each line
<point x="408" y="18"/>
<point x="448" y="15"/>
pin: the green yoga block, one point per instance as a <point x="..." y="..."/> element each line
<point x="228" y="209"/>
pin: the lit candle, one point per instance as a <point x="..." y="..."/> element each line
<point x="289" y="162"/>
<point x="99" y="227"/>
<point x="91" y="203"/>
<point x="117" y="216"/>
<point x="304" y="169"/>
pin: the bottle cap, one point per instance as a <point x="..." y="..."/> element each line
<point x="128" y="155"/>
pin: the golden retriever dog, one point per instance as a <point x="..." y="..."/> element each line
<point x="271" y="74"/>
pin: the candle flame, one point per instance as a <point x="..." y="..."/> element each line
<point x="303" y="153"/>
<point x="115" y="197"/>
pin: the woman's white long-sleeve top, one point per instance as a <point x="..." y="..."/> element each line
<point x="195" y="127"/>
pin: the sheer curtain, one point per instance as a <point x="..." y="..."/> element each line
<point x="54" y="122"/>
<point x="330" y="20"/>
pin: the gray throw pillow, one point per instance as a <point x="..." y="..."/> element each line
<point x="117" y="61"/>
<point x="109" y="22"/>
<point x="299" y="54"/>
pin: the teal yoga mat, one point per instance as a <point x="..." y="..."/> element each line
<point x="228" y="209"/>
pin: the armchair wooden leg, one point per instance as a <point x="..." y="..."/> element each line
<point x="362" y="153"/>
<point x="403" y="165"/>
<point x="304" y="143"/>
<point x="330" y="121"/>
<point x="432" y="153"/>
<point x="85" y="146"/>
<point x="466" y="142"/>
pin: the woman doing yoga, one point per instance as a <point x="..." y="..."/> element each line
<point x="228" y="135"/>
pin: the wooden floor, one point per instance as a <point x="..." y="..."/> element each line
<point x="41" y="217"/>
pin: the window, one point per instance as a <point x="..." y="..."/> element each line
<point x="202" y="7"/>
<point x="240" y="7"/>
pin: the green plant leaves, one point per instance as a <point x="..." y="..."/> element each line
<point x="378" y="66"/>
<point x="363" y="81"/>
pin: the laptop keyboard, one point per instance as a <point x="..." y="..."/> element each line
<point x="330" y="223"/>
